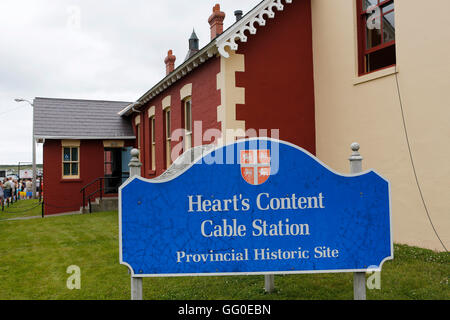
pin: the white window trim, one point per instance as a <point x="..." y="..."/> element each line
<point x="375" y="75"/>
<point x="186" y="91"/>
<point x="113" y="143"/>
<point x="166" y="102"/>
<point x="151" y="111"/>
<point x="70" y="143"/>
<point x="137" y="120"/>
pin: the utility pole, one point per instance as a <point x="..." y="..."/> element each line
<point x="33" y="149"/>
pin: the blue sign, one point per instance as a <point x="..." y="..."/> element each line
<point x="258" y="206"/>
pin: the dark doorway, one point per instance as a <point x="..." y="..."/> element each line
<point x="113" y="170"/>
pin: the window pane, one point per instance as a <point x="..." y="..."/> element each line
<point x="169" y="124"/>
<point x="368" y="3"/>
<point x="66" y="155"/>
<point x="108" y="156"/>
<point x="168" y="131"/>
<point x="381" y="59"/>
<point x="373" y="38"/>
<point x="153" y="158"/>
<point x="387" y="8"/>
<point x="389" y="27"/>
<point x="153" y="129"/>
<point x="67" y="169"/>
<point x="74" y="169"/>
<point x="108" y="169"/>
<point x="168" y="154"/>
<point x="187" y="115"/>
<point x="74" y="154"/>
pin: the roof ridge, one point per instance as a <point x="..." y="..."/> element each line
<point x="87" y="100"/>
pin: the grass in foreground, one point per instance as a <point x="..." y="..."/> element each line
<point x="21" y="209"/>
<point x="35" y="254"/>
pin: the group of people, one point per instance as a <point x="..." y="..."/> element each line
<point x="12" y="190"/>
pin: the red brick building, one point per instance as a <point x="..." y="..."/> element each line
<point x="251" y="78"/>
<point x="265" y="82"/>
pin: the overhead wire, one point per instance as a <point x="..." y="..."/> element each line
<point x="12" y="110"/>
<point x="412" y="161"/>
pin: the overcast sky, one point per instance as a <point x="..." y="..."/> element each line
<point x="102" y="49"/>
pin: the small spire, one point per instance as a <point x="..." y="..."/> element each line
<point x="193" y="35"/>
<point x="193" y="41"/>
<point x="193" y="45"/>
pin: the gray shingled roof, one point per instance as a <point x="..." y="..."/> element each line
<point x="80" y="119"/>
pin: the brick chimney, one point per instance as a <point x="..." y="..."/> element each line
<point x="170" y="62"/>
<point x="216" y="21"/>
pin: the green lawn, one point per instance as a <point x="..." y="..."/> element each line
<point x="35" y="254"/>
<point x="20" y="209"/>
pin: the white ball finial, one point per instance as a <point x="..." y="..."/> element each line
<point x="355" y="146"/>
<point x="134" y="162"/>
<point x="135" y="153"/>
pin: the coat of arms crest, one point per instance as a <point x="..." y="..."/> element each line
<point x="255" y="166"/>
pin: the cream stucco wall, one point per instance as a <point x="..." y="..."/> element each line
<point x="230" y="96"/>
<point x="349" y="109"/>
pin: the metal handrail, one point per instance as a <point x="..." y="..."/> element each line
<point x="99" y="189"/>
<point x="91" y="183"/>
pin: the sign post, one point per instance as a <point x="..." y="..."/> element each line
<point x="269" y="283"/>
<point x="135" y="171"/>
<point x="254" y="207"/>
<point x="359" y="278"/>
